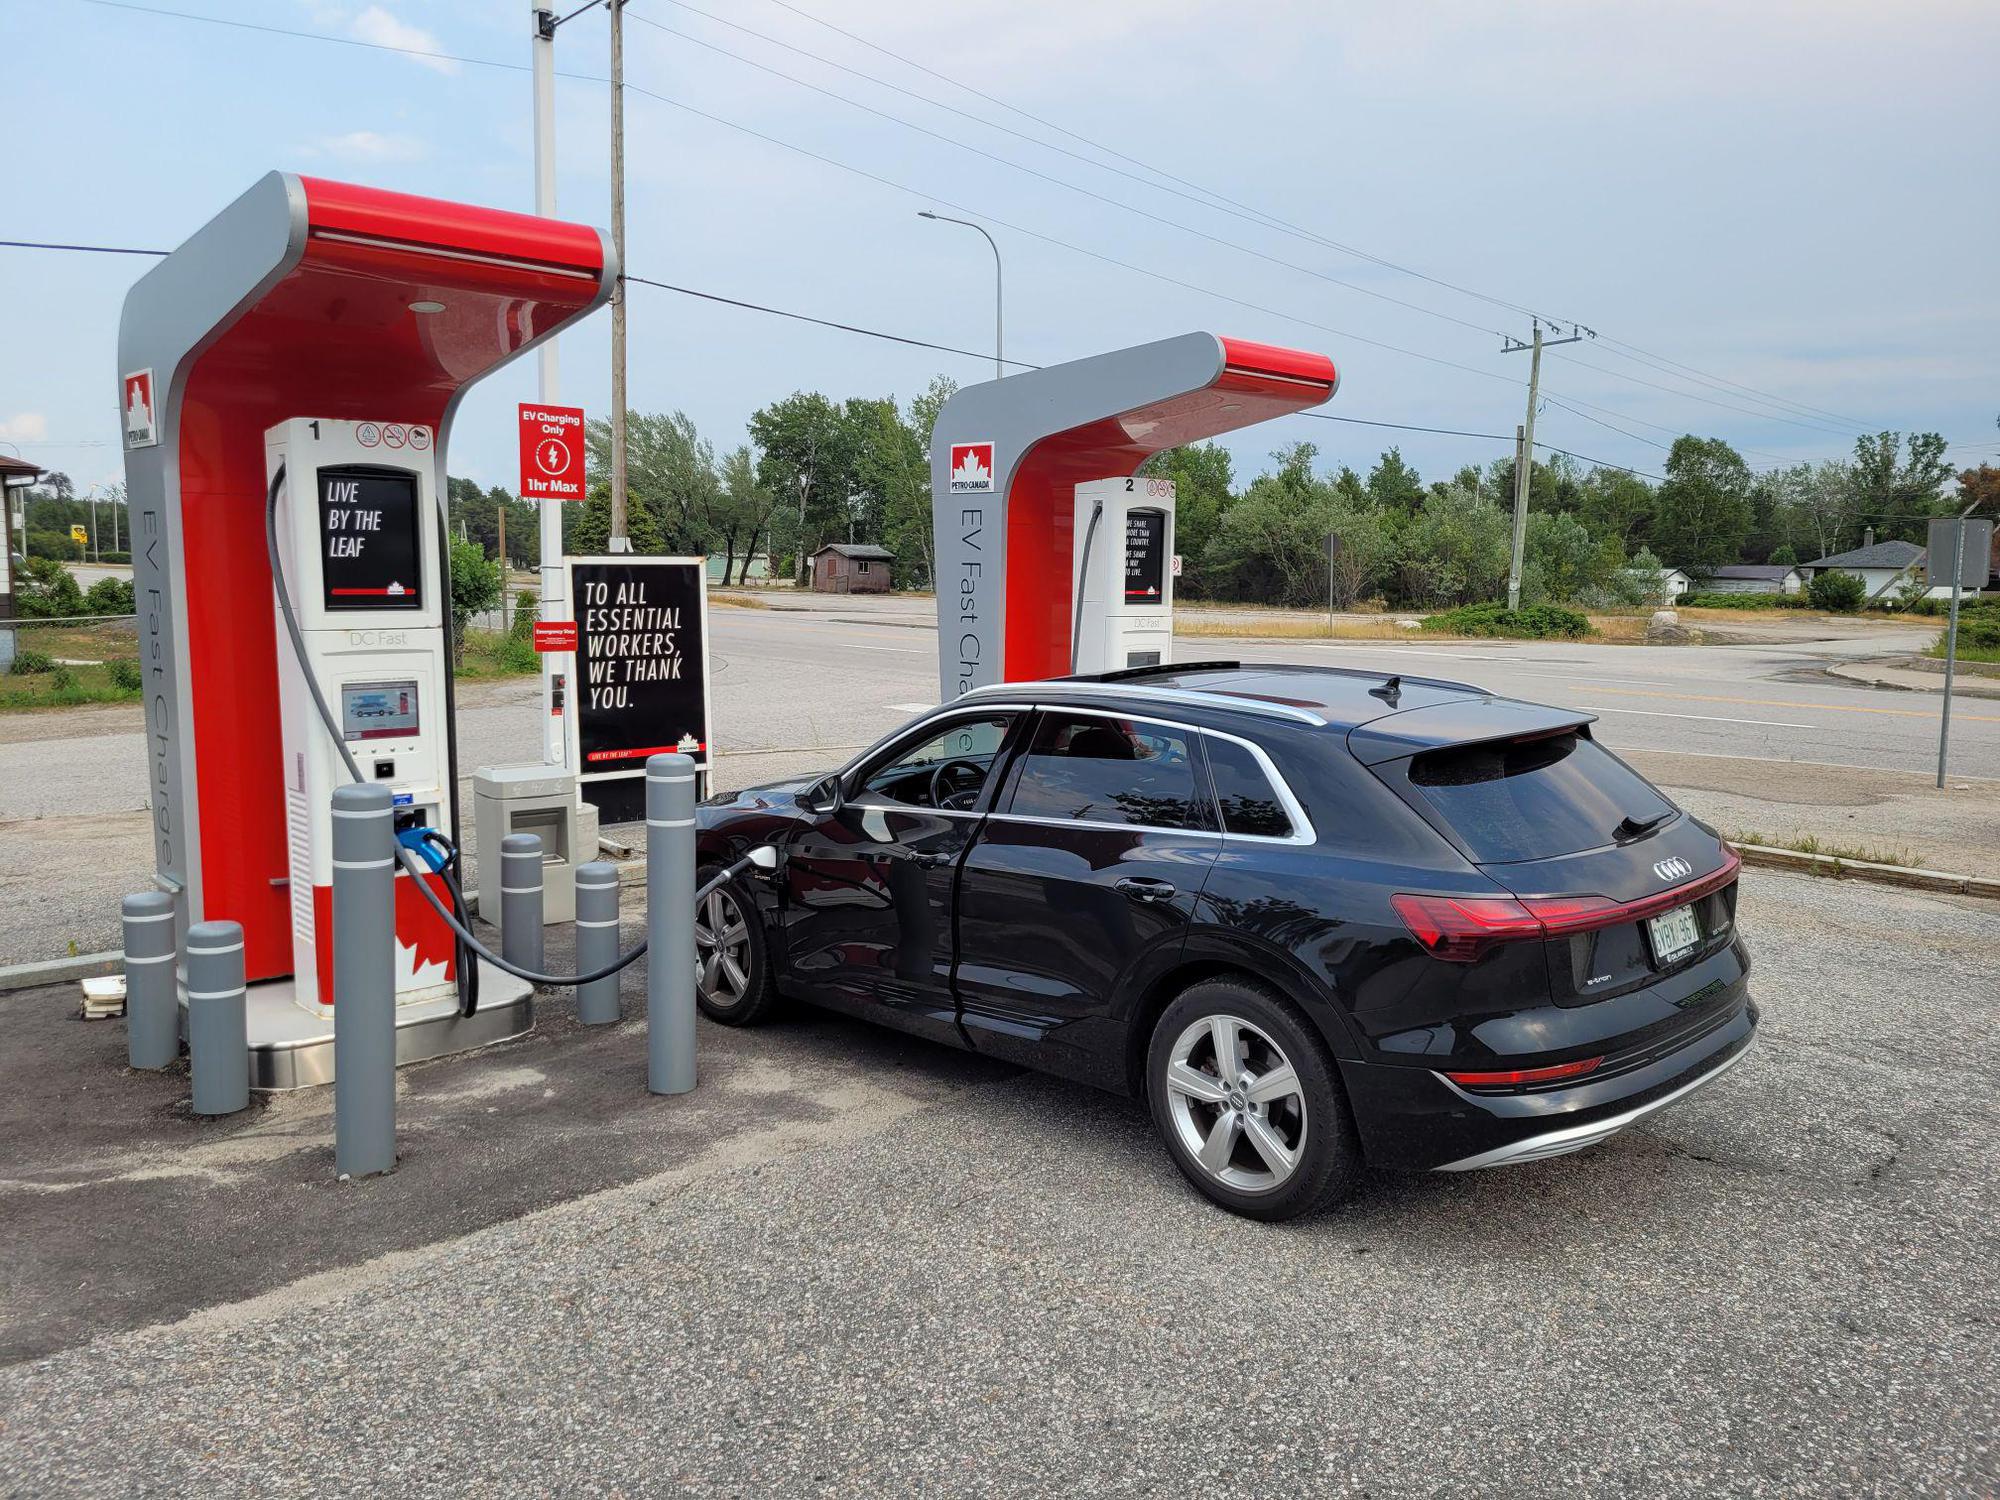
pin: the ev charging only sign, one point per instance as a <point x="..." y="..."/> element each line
<point x="551" y="452"/>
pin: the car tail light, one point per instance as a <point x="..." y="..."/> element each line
<point x="1462" y="928"/>
<point x="1514" y="1078"/>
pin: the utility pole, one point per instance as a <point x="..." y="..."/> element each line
<point x="96" y="553"/>
<point x="621" y="540"/>
<point x="999" y="364"/>
<point x="1524" y="463"/>
<point x="500" y="514"/>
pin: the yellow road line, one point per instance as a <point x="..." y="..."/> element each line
<point x="1832" y="708"/>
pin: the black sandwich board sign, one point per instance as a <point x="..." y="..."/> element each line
<point x="640" y="682"/>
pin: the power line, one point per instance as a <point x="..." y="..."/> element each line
<point x="1273" y="220"/>
<point x="1060" y="182"/>
<point x="84" y="249"/>
<point x="1819" y="427"/>
<point x="128" y="5"/>
<point x="779" y="312"/>
<point x="311" y="36"/>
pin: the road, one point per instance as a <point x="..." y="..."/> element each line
<point x="852" y="1263"/>
<point x="799" y="687"/>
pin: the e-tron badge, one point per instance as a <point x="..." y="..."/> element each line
<point x="1673" y="869"/>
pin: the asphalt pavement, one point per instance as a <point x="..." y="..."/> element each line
<point x="855" y="1264"/>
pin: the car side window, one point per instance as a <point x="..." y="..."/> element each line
<point x="1108" y="770"/>
<point x="1244" y="792"/>
<point x="945" y="769"/>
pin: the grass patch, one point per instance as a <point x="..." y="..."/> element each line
<point x="738" y="601"/>
<point x="1621" y="630"/>
<point x="1811" y="843"/>
<point x="70" y="687"/>
<point x="495" y="654"/>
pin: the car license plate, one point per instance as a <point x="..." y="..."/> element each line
<point x="1675" y="934"/>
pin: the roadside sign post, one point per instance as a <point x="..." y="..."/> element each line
<point x="552" y="440"/>
<point x="1966" y="542"/>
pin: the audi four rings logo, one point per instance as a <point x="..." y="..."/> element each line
<point x="1673" y="869"/>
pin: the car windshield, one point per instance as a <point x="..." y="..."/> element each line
<point x="1516" y="800"/>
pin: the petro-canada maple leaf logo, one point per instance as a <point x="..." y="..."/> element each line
<point x="971" y="467"/>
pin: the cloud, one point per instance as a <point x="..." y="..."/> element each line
<point x="369" y="145"/>
<point x="376" y="25"/>
<point x="27" y="427"/>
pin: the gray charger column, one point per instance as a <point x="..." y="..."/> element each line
<point x="218" y="1028"/>
<point x="521" y="900"/>
<point x="364" y="980"/>
<point x="670" y="956"/>
<point x="597" y="941"/>
<point x="152" y="1012"/>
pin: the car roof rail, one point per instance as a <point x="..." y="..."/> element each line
<point x="1157" y="669"/>
<point x="1234" y="703"/>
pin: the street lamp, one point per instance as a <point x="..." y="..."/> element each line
<point x="925" y="213"/>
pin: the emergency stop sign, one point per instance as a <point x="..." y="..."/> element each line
<point x="551" y="452"/>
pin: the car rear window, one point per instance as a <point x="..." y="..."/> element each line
<point x="1106" y="770"/>
<point x="1516" y="800"/>
<point x="1249" y="803"/>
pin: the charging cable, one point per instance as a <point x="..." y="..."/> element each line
<point x="412" y="862"/>
<point x="1083" y="581"/>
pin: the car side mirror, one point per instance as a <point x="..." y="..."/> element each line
<point x="823" y="796"/>
<point x="764" y="857"/>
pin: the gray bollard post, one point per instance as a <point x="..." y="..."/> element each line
<point x="218" y="1031"/>
<point x="670" y="957"/>
<point x="521" y="900"/>
<point x="597" y="941"/>
<point x="364" y="980"/>
<point x="152" y="1011"/>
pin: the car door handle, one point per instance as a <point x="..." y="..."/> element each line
<point x="1145" y="888"/>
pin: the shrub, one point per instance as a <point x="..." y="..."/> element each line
<point x="45" y="590"/>
<point x="1744" y="601"/>
<point x="62" y="679"/>
<point x="1979" y="628"/>
<point x="126" y="676"/>
<point x="1536" y="622"/>
<point x="28" y="663"/>
<point x="475" y="588"/>
<point x="109" y="596"/>
<point x="1839" y="592"/>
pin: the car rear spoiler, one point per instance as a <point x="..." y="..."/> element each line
<point x="1476" y="721"/>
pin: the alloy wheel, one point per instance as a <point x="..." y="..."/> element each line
<point x="722" y="950"/>
<point x="1237" y="1104"/>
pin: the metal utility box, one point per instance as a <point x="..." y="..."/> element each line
<point x="529" y="799"/>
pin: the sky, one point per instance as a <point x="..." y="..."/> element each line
<point x="1779" y="218"/>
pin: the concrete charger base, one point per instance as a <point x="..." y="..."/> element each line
<point x="290" y="1049"/>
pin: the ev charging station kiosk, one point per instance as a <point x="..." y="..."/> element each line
<point x="304" y="353"/>
<point x="1019" y="467"/>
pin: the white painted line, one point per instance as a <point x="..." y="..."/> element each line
<point x="1654" y="713"/>
<point x="911" y="708"/>
<point x="1650" y="682"/>
<point x="1793" y="760"/>
<point x="1385" y="645"/>
<point x="900" y="650"/>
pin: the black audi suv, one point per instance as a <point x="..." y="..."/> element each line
<point x="1315" y="918"/>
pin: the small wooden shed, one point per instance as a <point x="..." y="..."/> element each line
<point x="852" y="568"/>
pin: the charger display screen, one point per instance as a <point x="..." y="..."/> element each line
<point x="379" y="710"/>
<point x="370" y="557"/>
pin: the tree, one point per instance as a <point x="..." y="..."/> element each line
<point x="671" y="487"/>
<point x="475" y="588"/>
<point x="1393" y="484"/>
<point x="1704" y="507"/>
<point x="1560" y="562"/>
<point x="1785" y="555"/>
<point x="1818" y="508"/>
<point x="805" y="458"/>
<point x="1900" y="494"/>
<point x="1614" y="504"/>
<point x="1980" y="489"/>
<point x="744" y="512"/>
<point x="1455" y="550"/>
<point x="1204" y="487"/>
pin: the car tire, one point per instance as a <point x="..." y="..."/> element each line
<point x="717" y="991"/>
<point x="1284" y="1107"/>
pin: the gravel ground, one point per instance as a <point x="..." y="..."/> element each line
<point x="1780" y="1287"/>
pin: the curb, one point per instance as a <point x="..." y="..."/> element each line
<point x="1834" y="868"/>
<point x="1965" y="685"/>
<point x="57" y="970"/>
